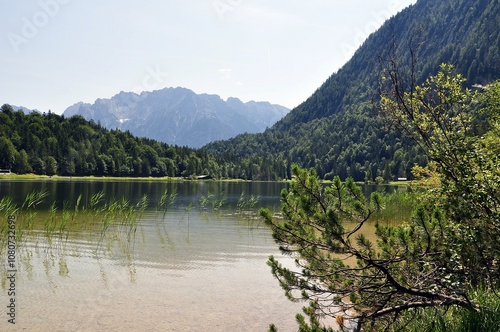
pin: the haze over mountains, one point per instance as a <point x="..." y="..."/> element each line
<point x="336" y="131"/>
<point x="178" y="116"/>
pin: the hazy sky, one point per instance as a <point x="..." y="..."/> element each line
<point x="54" y="53"/>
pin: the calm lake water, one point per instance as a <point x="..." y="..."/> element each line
<point x="192" y="269"/>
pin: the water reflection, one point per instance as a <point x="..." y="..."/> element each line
<point x="190" y="269"/>
<point x="188" y="192"/>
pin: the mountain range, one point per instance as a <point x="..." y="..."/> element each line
<point x="178" y="116"/>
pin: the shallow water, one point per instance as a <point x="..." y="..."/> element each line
<point x="193" y="269"/>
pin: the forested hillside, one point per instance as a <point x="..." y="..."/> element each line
<point x="52" y="144"/>
<point x="338" y="130"/>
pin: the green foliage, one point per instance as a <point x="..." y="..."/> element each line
<point x="343" y="273"/>
<point x="491" y="100"/>
<point x="439" y="115"/>
<point x="7" y="153"/>
<point x="455" y="319"/>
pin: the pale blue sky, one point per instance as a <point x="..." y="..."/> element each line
<point x="54" y="53"/>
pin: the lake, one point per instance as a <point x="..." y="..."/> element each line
<point x="198" y="265"/>
<point x="194" y="268"/>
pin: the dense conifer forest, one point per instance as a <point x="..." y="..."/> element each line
<point x="52" y="144"/>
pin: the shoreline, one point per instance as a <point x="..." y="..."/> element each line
<point x="35" y="177"/>
<point x="89" y="178"/>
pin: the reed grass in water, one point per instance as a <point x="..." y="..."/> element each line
<point x="96" y="217"/>
<point x="398" y="207"/>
